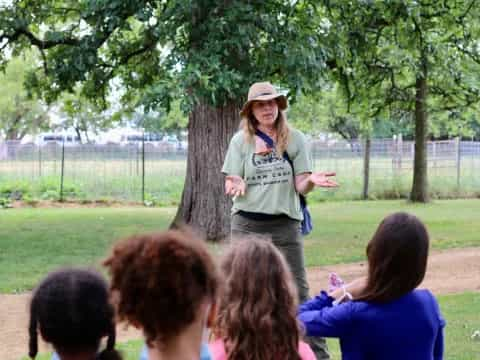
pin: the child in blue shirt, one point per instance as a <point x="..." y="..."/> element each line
<point x="384" y="317"/>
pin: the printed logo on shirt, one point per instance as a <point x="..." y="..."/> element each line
<point x="269" y="169"/>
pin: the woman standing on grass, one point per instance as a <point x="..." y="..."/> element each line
<point x="268" y="164"/>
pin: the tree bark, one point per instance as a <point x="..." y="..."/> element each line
<point x="419" y="191"/>
<point x="77" y="131"/>
<point x="366" y="167"/>
<point x="204" y="205"/>
<point x="12" y="131"/>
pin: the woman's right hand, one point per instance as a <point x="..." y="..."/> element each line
<point x="235" y="185"/>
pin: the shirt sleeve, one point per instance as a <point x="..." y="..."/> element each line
<point x="439" y="340"/>
<point x="217" y="349"/>
<point x="302" y="161"/>
<point x="438" y="347"/>
<point x="144" y="353"/>
<point x="205" y="352"/>
<point x="306" y="352"/>
<point x="234" y="163"/>
<point x="320" y="318"/>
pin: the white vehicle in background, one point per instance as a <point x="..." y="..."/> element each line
<point x="152" y="140"/>
<point x="44" y="139"/>
<point x="127" y="137"/>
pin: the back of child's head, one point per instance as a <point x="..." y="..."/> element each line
<point x="397" y="257"/>
<point x="257" y="310"/>
<point x="71" y="309"/>
<point x="160" y="282"/>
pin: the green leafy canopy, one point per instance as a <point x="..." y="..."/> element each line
<point x="196" y="50"/>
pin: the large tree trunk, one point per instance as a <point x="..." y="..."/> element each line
<point x="420" y="188"/>
<point x="366" y="167"/>
<point x="204" y="205"/>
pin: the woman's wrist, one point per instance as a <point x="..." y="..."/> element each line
<point x="308" y="186"/>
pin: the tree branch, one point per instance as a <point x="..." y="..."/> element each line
<point x="41" y="44"/>
<point x="462" y="17"/>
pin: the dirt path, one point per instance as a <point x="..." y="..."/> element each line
<point x="449" y="272"/>
<point x="452" y="271"/>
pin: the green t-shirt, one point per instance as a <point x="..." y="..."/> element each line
<point x="269" y="178"/>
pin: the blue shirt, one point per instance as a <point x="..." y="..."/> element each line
<point x="204" y="353"/>
<point x="410" y="327"/>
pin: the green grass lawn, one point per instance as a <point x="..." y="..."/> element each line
<point x="35" y="241"/>
<point x="342" y="229"/>
<point x="461" y="312"/>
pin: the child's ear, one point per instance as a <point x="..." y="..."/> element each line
<point x="212" y="315"/>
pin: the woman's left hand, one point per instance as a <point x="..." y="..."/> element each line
<point x="321" y="179"/>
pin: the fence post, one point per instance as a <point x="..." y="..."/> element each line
<point x="143" y="167"/>
<point x="137" y="161"/>
<point x="62" y="169"/>
<point x="314" y="153"/>
<point x="39" y="161"/>
<point x="394" y="155"/>
<point x="458" y="158"/>
<point x="400" y="152"/>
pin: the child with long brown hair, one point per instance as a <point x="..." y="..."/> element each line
<point x="388" y="318"/>
<point x="257" y="308"/>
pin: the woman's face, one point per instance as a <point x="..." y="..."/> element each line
<point x="266" y="112"/>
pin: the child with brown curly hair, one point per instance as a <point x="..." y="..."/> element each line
<point x="166" y="284"/>
<point x="256" y="318"/>
<point x="71" y="309"/>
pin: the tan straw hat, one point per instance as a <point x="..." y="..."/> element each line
<point x="263" y="91"/>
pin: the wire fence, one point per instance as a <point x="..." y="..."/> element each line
<point x="155" y="173"/>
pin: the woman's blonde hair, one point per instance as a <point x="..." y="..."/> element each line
<point x="249" y="124"/>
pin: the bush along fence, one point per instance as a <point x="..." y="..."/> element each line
<point x="155" y="174"/>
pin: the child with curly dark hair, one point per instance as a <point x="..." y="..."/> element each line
<point x="71" y="309"/>
<point x="166" y="284"/>
<point x="256" y="317"/>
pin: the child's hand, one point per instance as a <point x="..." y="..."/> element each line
<point x="334" y="282"/>
<point x="342" y="292"/>
<point x="357" y="286"/>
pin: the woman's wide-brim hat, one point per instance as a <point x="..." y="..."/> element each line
<point x="263" y="91"/>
